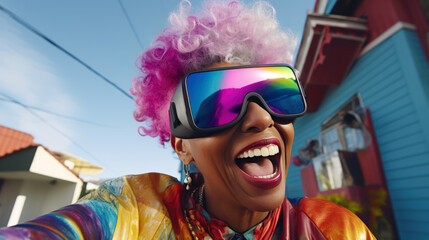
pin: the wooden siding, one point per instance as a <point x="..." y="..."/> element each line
<point x="393" y="82"/>
<point x="329" y="6"/>
<point x="293" y="182"/>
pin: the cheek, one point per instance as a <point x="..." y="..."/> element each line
<point x="211" y="156"/>
<point x="199" y="150"/>
<point x="287" y="132"/>
<point x="206" y="152"/>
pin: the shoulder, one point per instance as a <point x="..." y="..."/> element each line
<point x="333" y="221"/>
<point x="156" y="182"/>
<point x="130" y="191"/>
<point x="115" y="188"/>
<point x="154" y="192"/>
<point x="134" y="197"/>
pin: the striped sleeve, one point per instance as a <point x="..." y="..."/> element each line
<point x="93" y="217"/>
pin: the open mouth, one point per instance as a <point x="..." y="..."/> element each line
<point x="260" y="162"/>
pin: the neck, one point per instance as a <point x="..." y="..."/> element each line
<point x="237" y="217"/>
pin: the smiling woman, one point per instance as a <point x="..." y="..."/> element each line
<point x="218" y="87"/>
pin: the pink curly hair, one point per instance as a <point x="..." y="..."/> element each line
<point x="225" y="31"/>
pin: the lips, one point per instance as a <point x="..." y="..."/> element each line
<point x="259" y="163"/>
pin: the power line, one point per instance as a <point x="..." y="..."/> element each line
<point x="49" y="112"/>
<point x="131" y="24"/>
<point x="56" y="129"/>
<point x="38" y="33"/>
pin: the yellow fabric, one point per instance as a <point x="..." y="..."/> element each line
<point x="154" y="220"/>
<point x="128" y="215"/>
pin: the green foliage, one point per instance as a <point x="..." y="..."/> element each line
<point x="371" y="209"/>
<point x="342" y="200"/>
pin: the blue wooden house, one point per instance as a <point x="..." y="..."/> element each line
<point x="367" y="59"/>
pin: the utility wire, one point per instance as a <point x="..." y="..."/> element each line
<point x="38" y="33"/>
<point x="56" y="129"/>
<point x="131" y="24"/>
<point x="47" y="111"/>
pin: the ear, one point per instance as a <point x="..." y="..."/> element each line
<point x="182" y="148"/>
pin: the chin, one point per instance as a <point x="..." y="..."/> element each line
<point x="269" y="205"/>
<point x="268" y="202"/>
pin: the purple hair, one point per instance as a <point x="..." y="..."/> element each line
<point x="221" y="32"/>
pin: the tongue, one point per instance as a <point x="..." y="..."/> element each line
<point x="262" y="167"/>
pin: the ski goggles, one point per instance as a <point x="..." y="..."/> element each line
<point x="210" y="101"/>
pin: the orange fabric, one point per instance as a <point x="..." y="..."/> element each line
<point x="333" y="221"/>
<point x="265" y="231"/>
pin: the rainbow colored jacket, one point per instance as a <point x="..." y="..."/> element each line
<point x="156" y="206"/>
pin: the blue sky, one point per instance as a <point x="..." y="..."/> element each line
<point x="35" y="73"/>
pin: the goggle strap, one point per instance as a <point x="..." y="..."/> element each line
<point x="174" y="119"/>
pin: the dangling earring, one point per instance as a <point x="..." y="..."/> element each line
<point x="188" y="178"/>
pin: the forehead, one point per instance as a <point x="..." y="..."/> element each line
<point x="223" y="64"/>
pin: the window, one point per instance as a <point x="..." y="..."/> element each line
<point x="344" y="130"/>
<point x="330" y="140"/>
<point x="354" y="138"/>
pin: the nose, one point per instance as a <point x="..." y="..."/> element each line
<point x="256" y="119"/>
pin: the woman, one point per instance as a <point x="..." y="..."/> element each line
<point x="231" y="117"/>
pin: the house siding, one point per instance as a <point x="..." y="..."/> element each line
<point x="293" y="182"/>
<point x="330" y="5"/>
<point x="393" y="82"/>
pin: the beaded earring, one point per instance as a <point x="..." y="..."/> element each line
<point x="188" y="179"/>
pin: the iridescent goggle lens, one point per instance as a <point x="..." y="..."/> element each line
<point x="216" y="97"/>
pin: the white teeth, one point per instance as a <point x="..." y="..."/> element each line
<point x="257" y="152"/>
<point x="267" y="176"/>
<point x="273" y="149"/>
<point x="265" y="151"/>
<point x="251" y="153"/>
